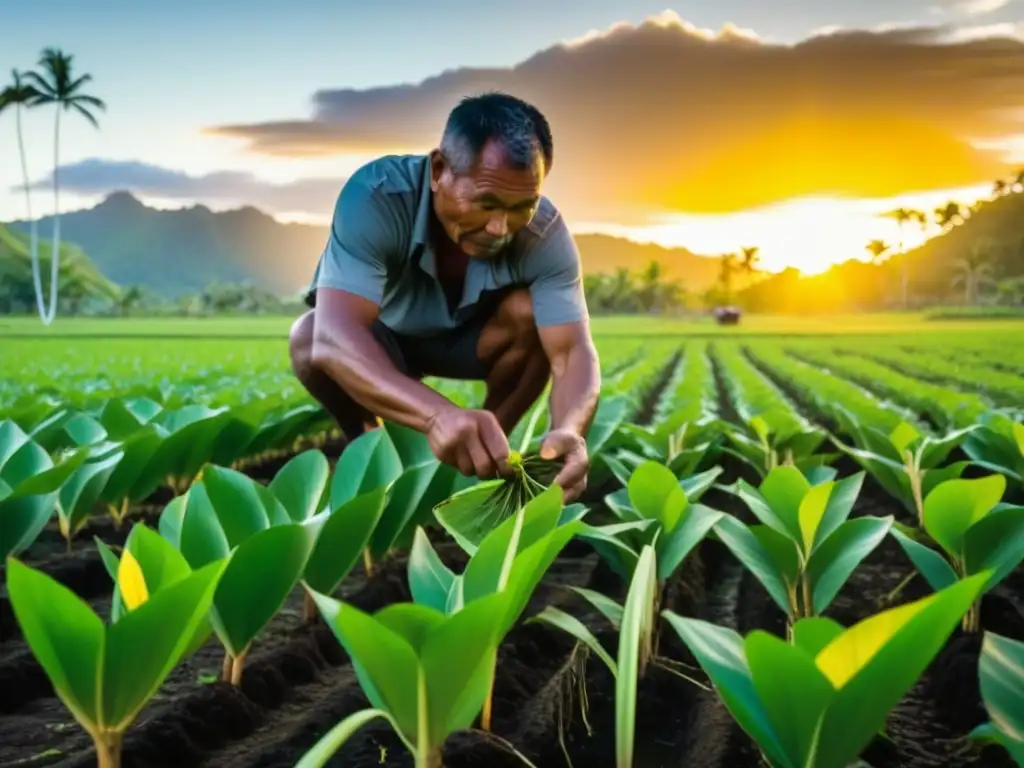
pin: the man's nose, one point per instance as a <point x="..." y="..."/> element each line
<point x="498" y="225"/>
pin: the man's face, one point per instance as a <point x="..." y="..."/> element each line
<point x="483" y="209"/>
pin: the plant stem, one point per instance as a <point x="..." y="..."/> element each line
<point x="309" y="611"/>
<point x="236" y="668"/>
<point x="808" y="606"/>
<point x="434" y="758"/>
<point x="899" y="588"/>
<point x="368" y="564"/>
<point x="485" y="715"/>
<point x="225" y="667"/>
<point x="972" y="619"/>
<point x="108" y="748"/>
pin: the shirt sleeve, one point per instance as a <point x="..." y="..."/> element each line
<point x="557" y="284"/>
<point x="360" y="243"/>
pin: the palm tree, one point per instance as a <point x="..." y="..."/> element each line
<point x="725" y="275"/>
<point x="902" y="216"/>
<point x="56" y="86"/>
<point x="749" y="259"/>
<point x="949" y="215"/>
<point x="20" y="94"/>
<point x="878" y="249"/>
<point x="1018" y="181"/>
<point x="999" y="188"/>
<point x="974" y="270"/>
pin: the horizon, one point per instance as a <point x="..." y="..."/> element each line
<point x="803" y="197"/>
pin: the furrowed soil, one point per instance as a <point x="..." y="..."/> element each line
<point x="553" y="701"/>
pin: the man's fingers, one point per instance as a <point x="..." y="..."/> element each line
<point x="574" y="471"/>
<point x="483" y="465"/>
<point x="494" y="442"/>
<point x="464" y="462"/>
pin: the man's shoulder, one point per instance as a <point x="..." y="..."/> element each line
<point x="392" y="175"/>
<point x="545" y="220"/>
<point x="546" y="243"/>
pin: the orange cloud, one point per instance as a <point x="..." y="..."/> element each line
<point x="664" y="117"/>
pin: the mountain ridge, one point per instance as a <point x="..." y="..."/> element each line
<point x="181" y="250"/>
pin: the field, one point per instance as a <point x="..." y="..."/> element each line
<point x="803" y="460"/>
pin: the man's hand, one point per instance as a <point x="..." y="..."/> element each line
<point x="471" y="441"/>
<point x="566" y="444"/>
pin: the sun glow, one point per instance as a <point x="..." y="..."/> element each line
<point x="810" y="234"/>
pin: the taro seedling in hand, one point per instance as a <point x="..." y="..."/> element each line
<point x="818" y="701"/>
<point x="974" y="532"/>
<point x="804" y="548"/>
<point x="511" y="560"/>
<point x="1001" y="674"/>
<point x="105" y="674"/>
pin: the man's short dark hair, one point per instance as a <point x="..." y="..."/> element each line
<point x="520" y="128"/>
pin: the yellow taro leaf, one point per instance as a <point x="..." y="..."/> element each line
<point x="812" y="509"/>
<point x="850" y="652"/>
<point x="1018" y="436"/>
<point x="903" y="436"/>
<point x="131" y="581"/>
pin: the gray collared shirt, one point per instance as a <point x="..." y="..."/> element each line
<point x="379" y="248"/>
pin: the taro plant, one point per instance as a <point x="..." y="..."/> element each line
<point x="973" y="531"/>
<point x="682" y="445"/>
<point x="227" y="513"/>
<point x="819" y="700"/>
<point x="998" y="445"/>
<point x="30" y="485"/>
<point x="1001" y="674"/>
<point x="634" y="621"/>
<point x="661" y="516"/>
<point x="804" y="548"/>
<point x="105" y="674"/>
<point x="425" y="672"/>
<point x="511" y="559"/>
<point x="764" y="446"/>
<point x="905" y="462"/>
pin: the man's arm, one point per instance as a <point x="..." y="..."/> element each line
<point x="575" y="376"/>
<point x="353" y="275"/>
<point x="345" y="349"/>
<point x="563" y="324"/>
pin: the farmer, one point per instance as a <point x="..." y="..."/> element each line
<point x="452" y="264"/>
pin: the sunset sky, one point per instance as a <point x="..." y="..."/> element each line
<point x="788" y="125"/>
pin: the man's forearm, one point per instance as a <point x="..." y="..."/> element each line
<point x="575" y="387"/>
<point x="358" y="364"/>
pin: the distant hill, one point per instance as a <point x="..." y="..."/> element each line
<point x="999" y="222"/>
<point x="79" y="277"/>
<point x="178" y="251"/>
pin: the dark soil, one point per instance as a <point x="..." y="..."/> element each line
<point x="552" y="701"/>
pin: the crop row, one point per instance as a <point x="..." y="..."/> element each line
<point x="228" y="551"/>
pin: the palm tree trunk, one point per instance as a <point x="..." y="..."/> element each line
<point x="33" y="225"/>
<point x="55" y="264"/>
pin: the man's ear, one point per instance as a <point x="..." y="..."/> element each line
<point x="438" y="165"/>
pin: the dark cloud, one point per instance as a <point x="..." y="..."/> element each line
<point x="98" y="176"/>
<point x="663" y="117"/>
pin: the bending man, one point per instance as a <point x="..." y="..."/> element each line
<point x="452" y="264"/>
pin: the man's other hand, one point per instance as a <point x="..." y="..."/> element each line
<point x="566" y="444"/>
<point x="470" y="440"/>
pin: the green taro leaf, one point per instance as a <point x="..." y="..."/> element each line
<point x="839" y="555"/>
<point x="672" y="548"/>
<point x="784" y="490"/>
<point x="995" y="543"/>
<point x="720" y="653"/>
<point x="935" y="569"/>
<point x="655" y="493"/>
<point x="343" y="536"/>
<point x="767" y="554"/>
<point x="413" y="495"/>
<point x="955" y="505"/>
<point x="793" y="691"/>
<point x="430" y="580"/>
<point x="466" y="515"/>
<point x="65" y="636"/>
<point x="262" y="572"/>
<point x="237" y="505"/>
<point x="146" y="643"/>
<point x="412" y="447"/>
<point x="1001" y="673"/>
<point x="368" y="462"/>
<point x="301" y="485"/>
